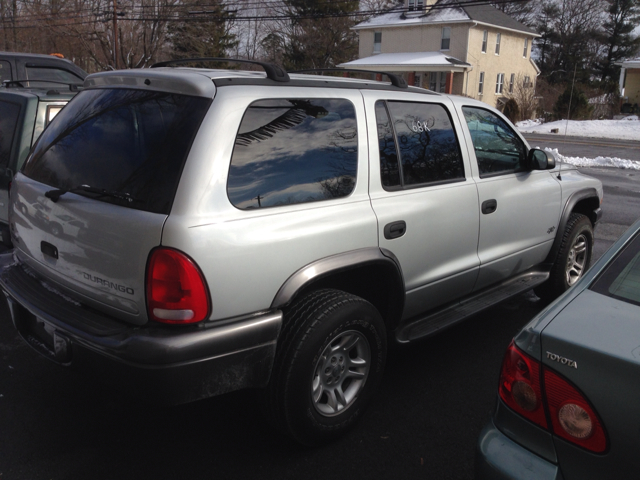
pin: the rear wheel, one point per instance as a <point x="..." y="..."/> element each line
<point x="328" y="365"/>
<point x="573" y="258"/>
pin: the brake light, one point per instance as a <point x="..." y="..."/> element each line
<point x="571" y="415"/>
<point x="176" y="290"/>
<point x="520" y="385"/>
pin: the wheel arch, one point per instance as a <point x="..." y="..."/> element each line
<point x="373" y="274"/>
<point x="586" y="202"/>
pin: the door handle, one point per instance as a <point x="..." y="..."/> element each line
<point x="489" y="206"/>
<point x="395" y="230"/>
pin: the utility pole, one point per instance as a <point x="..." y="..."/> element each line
<point x="115" y="34"/>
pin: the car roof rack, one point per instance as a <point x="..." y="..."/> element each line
<point x="396" y="80"/>
<point x="73" y="87"/>
<point x="274" y="72"/>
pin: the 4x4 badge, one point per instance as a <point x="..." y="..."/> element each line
<point x="562" y="360"/>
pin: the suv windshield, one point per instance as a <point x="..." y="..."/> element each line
<point x="129" y="141"/>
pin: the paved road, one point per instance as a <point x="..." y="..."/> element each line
<point x="587" y="147"/>
<point x="434" y="399"/>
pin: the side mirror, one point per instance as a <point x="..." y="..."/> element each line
<point x="540" y="160"/>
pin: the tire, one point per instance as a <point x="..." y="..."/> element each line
<point x="328" y="365"/>
<point x="572" y="260"/>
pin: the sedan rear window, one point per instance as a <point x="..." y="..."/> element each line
<point x="621" y="279"/>
<point x="131" y="142"/>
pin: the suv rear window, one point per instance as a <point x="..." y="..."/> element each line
<point x="49" y="75"/>
<point x="294" y="151"/>
<point x="121" y="140"/>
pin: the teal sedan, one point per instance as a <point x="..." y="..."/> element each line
<point x="568" y="402"/>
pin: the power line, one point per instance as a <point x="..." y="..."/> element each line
<point x="225" y="17"/>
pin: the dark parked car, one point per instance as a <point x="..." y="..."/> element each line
<point x="569" y="396"/>
<point x="24" y="113"/>
<point x="35" y="70"/>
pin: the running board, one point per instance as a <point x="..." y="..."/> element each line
<point x="453" y="314"/>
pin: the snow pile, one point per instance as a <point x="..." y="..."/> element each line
<point x="611" y="162"/>
<point x="626" y="129"/>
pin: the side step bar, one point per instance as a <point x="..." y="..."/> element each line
<point x="435" y="321"/>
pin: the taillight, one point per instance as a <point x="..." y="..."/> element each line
<point x="572" y="417"/>
<point x="520" y="385"/>
<point x="176" y="290"/>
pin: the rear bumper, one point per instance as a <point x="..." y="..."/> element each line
<point x="500" y="458"/>
<point x="168" y="364"/>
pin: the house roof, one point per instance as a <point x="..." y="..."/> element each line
<point x="420" y="61"/>
<point x="446" y="11"/>
<point x="631" y="63"/>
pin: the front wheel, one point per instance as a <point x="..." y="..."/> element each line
<point x="328" y="365"/>
<point x="574" y="256"/>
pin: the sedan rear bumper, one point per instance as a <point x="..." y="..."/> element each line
<point x="500" y="458"/>
<point x="166" y="364"/>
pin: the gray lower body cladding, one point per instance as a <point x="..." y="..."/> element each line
<point x="166" y="364"/>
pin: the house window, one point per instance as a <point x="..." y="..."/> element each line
<point x="511" y="82"/>
<point x="526" y="47"/>
<point x="446" y="38"/>
<point x="527" y="82"/>
<point x="417" y="81"/>
<point x="415" y="5"/>
<point x="481" y="84"/>
<point x="377" y="42"/>
<point x="498" y="44"/>
<point x="499" y="83"/>
<point x="485" y="38"/>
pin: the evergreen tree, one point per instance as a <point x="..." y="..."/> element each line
<point x="320" y="34"/>
<point x="617" y="38"/>
<point x="203" y="30"/>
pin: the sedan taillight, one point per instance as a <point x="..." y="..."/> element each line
<point x="176" y="290"/>
<point x="572" y="416"/>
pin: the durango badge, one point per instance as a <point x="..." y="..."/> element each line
<point x="562" y="360"/>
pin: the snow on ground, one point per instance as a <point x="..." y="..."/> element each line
<point x="626" y="129"/>
<point x="613" y="162"/>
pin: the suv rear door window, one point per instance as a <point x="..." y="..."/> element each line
<point x="422" y="135"/>
<point x="121" y="140"/>
<point x="294" y="151"/>
<point x="8" y="125"/>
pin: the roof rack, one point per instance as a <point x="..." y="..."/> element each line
<point x="274" y="72"/>
<point x="395" y="80"/>
<point x="73" y="87"/>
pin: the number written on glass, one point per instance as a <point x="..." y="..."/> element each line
<point x="420" y="127"/>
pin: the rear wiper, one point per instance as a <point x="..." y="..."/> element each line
<point x="55" y="195"/>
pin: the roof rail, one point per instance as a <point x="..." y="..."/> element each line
<point x="73" y="87"/>
<point x="274" y="72"/>
<point x="395" y="80"/>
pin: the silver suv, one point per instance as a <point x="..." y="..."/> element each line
<point x="236" y="229"/>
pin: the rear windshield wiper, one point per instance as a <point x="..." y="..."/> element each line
<point x="55" y="195"/>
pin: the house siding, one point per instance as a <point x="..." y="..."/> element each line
<point x="510" y="60"/>
<point x="465" y="45"/>
<point x="632" y="86"/>
<point x="415" y="39"/>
